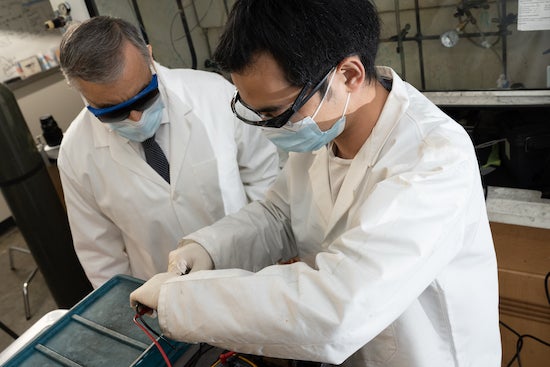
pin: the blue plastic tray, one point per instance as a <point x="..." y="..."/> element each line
<point x="98" y="331"/>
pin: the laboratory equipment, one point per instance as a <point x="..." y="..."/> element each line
<point x="62" y="17"/>
<point x="52" y="134"/>
<point x="98" y="331"/>
<point x="36" y="206"/>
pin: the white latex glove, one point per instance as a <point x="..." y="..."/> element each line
<point x="188" y="258"/>
<point x="148" y="293"/>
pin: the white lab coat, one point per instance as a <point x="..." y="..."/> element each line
<point x="399" y="271"/>
<point x="124" y="217"/>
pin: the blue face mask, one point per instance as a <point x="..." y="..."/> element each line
<point x="143" y="129"/>
<point x="305" y="135"/>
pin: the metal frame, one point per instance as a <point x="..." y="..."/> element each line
<point x="27" y="282"/>
<point x="401" y="37"/>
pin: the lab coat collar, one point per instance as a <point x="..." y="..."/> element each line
<point x="393" y="110"/>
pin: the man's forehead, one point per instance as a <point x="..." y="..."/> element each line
<point x="263" y="85"/>
<point x="264" y="92"/>
<point x="131" y="81"/>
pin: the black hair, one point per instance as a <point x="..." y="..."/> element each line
<point x="306" y="37"/>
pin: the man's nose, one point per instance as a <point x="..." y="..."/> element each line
<point x="135" y="115"/>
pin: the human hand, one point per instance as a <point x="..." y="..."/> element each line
<point x="190" y="257"/>
<point x="148" y="293"/>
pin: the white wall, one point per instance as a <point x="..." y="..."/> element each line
<point x="49" y="95"/>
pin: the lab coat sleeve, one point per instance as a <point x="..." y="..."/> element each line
<point x="257" y="236"/>
<point x="258" y="160"/>
<point x="399" y="241"/>
<point x="97" y="241"/>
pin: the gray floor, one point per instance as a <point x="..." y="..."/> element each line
<point x="12" y="309"/>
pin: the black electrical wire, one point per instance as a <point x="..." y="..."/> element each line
<point x="522" y="337"/>
<point x="158" y="335"/>
<point x="155" y="341"/>
<point x="546" y="287"/>
<point x="137" y="13"/>
<point x="149" y="331"/>
<point x="203" y="348"/>
<point x="519" y="344"/>
<point x="188" y="35"/>
<point x="174" y="40"/>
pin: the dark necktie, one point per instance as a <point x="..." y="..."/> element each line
<point x="156" y="158"/>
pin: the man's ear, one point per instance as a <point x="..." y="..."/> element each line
<point x="150" y="48"/>
<point x="151" y="63"/>
<point x="354" y="71"/>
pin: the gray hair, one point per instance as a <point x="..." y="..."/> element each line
<point x="93" y="50"/>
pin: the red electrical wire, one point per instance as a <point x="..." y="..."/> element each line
<point x="159" y="347"/>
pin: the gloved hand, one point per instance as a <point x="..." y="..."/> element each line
<point x="148" y="293"/>
<point x="189" y="257"/>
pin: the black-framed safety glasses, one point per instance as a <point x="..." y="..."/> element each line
<point x="140" y="102"/>
<point x="252" y="117"/>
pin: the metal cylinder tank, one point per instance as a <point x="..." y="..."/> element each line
<point x="36" y="206"/>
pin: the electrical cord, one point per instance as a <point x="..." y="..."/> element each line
<point x="181" y="11"/>
<point x="522" y="337"/>
<point x="519" y="344"/>
<point x="203" y="348"/>
<point x="546" y="287"/>
<point x="155" y="341"/>
<point x="138" y="320"/>
<point x="187" y="34"/>
<point x="151" y="333"/>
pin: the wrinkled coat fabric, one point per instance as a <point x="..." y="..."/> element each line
<point x="124" y="217"/>
<point x="399" y="271"/>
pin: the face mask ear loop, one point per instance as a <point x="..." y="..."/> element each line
<point x="324" y="95"/>
<point x="152" y="68"/>
<point x="346" y="105"/>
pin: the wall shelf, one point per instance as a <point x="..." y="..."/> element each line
<point x="490" y="98"/>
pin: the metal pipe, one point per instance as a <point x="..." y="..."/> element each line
<point x="26" y="294"/>
<point x="135" y="6"/>
<point x="437" y="37"/>
<point x="187" y="34"/>
<point x="503" y="32"/>
<point x="419" y="43"/>
<point x="400" y="40"/>
<point x="8" y="331"/>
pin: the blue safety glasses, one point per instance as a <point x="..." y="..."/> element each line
<point x="140" y="102"/>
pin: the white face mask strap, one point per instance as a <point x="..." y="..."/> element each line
<point x="346" y="106"/>
<point x="324" y="95"/>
